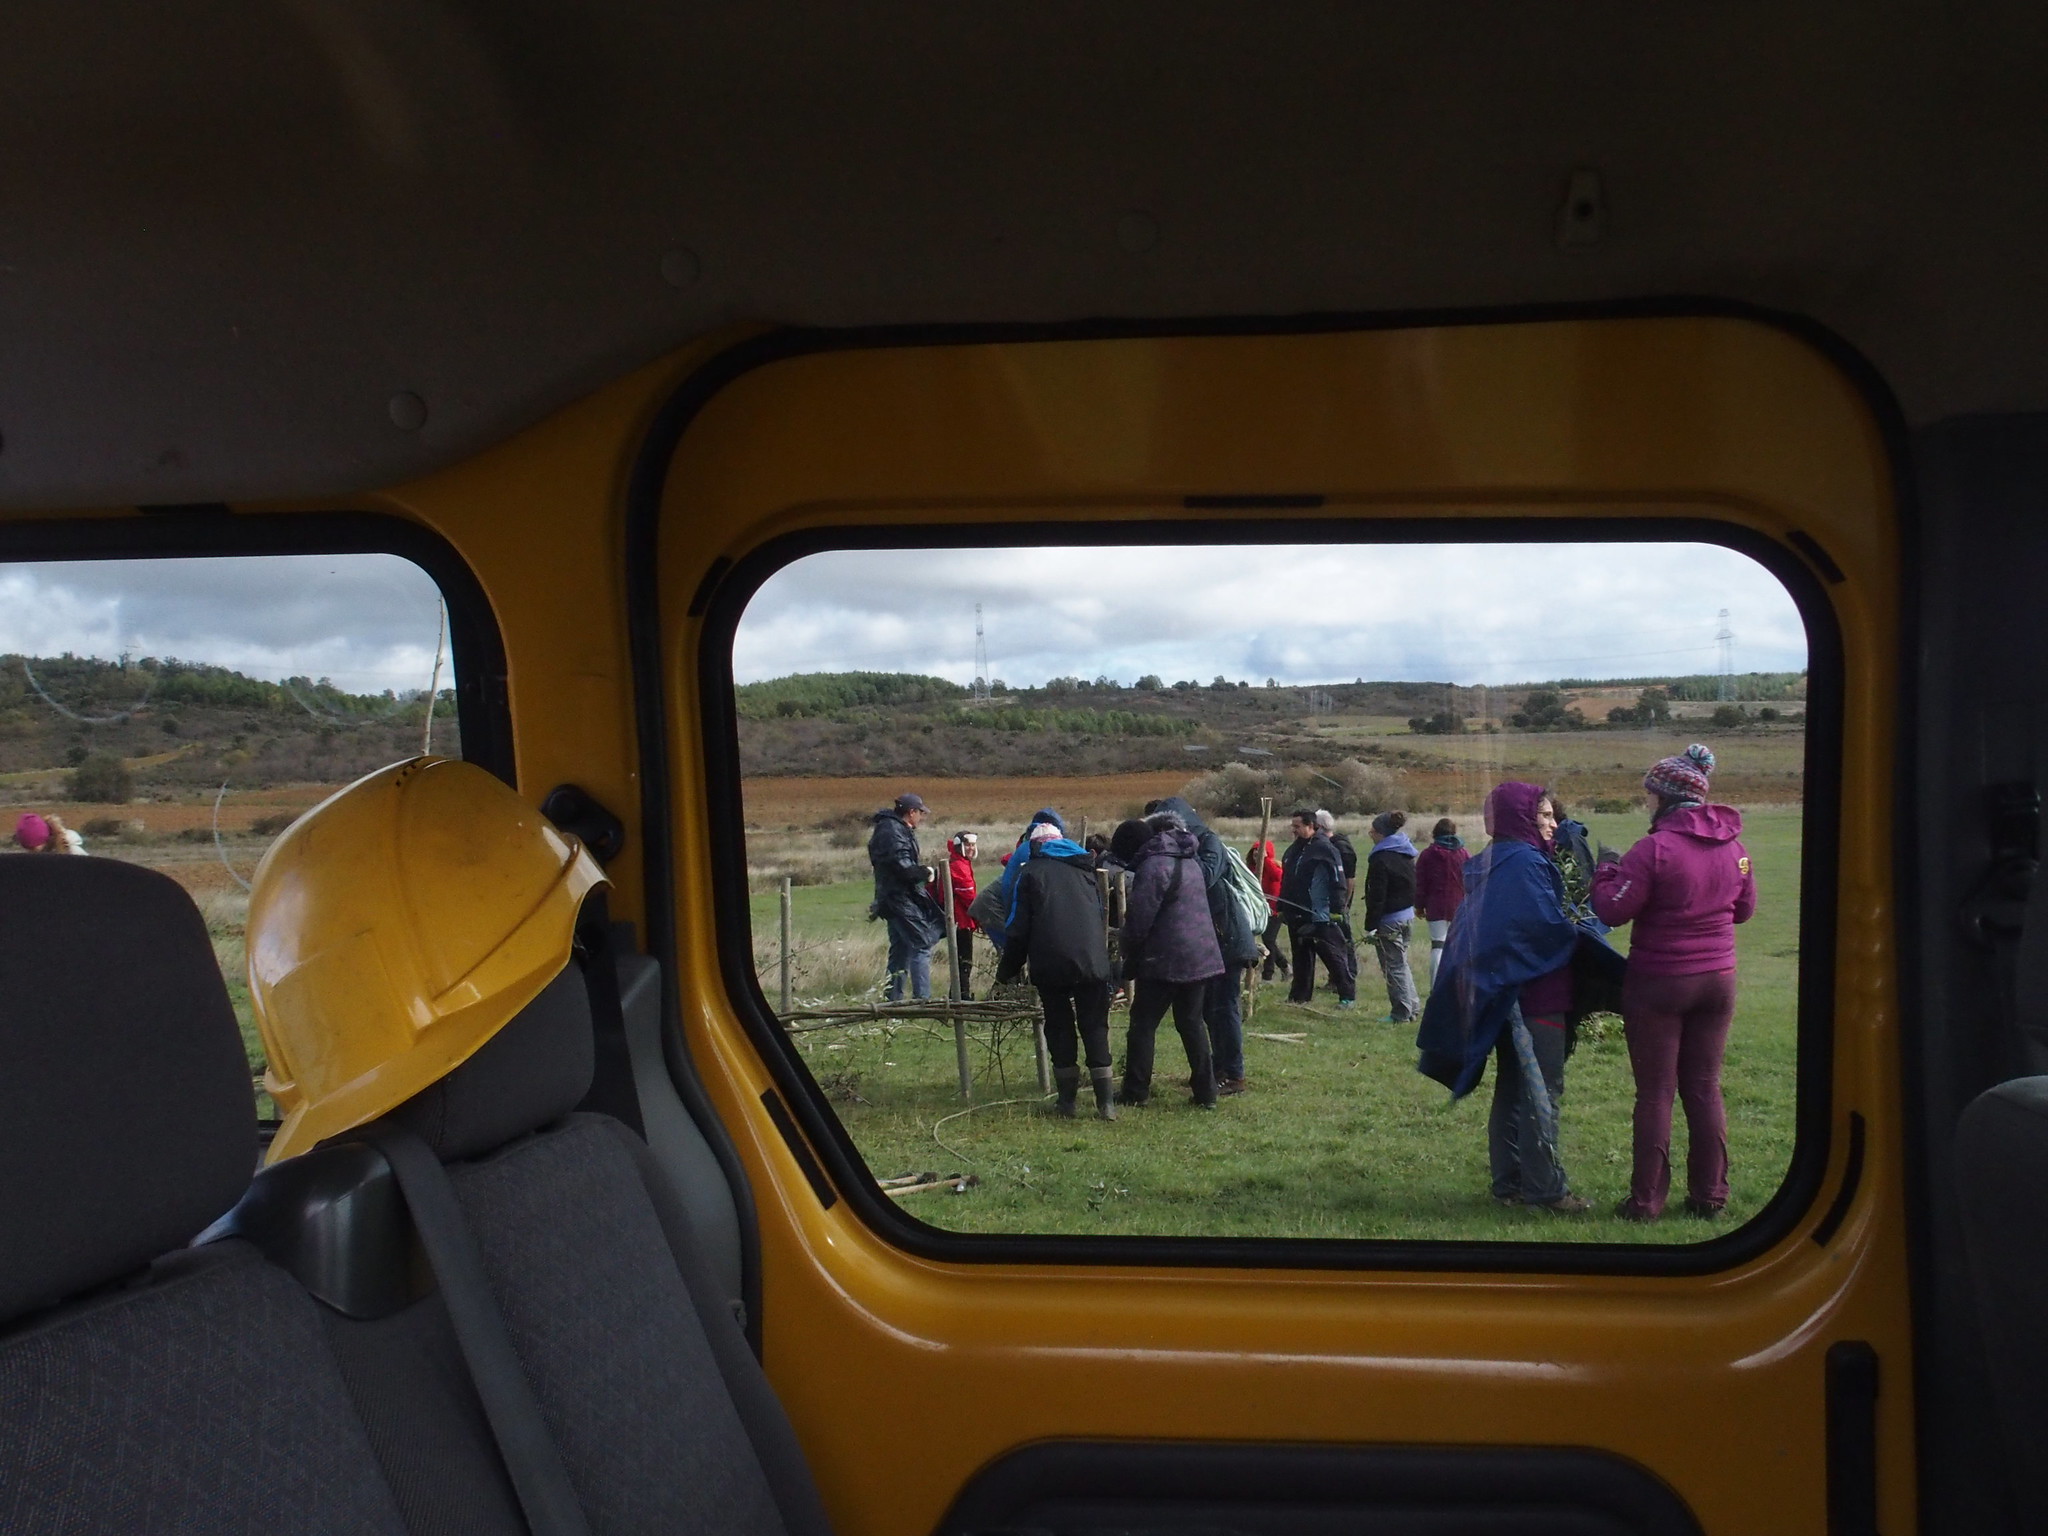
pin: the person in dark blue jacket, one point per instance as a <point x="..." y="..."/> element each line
<point x="1312" y="893"/>
<point x="901" y="897"/>
<point x="1506" y="990"/>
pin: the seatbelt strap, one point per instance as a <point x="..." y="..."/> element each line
<point x="546" y="1496"/>
<point x="612" y="1088"/>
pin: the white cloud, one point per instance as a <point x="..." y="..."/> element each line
<point x="1464" y="613"/>
<point x="366" y="621"/>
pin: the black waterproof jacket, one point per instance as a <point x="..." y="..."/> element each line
<point x="1311" y="882"/>
<point x="1057" y="924"/>
<point x="1234" y="932"/>
<point x="1389" y="882"/>
<point x="900" y="892"/>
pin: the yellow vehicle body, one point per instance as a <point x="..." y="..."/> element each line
<point x="907" y="1373"/>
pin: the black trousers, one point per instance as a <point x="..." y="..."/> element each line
<point x="1327" y="941"/>
<point x="1274" y="954"/>
<point x="1148" y="1006"/>
<point x="1081" y="1011"/>
<point x="963" y="945"/>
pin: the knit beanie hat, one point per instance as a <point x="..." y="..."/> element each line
<point x="1682" y="778"/>
<point x="1045" y="832"/>
<point x="32" y="832"/>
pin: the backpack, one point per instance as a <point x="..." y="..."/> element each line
<point x="1243" y="888"/>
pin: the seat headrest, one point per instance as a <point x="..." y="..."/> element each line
<point x="534" y="1070"/>
<point x="127" y="1119"/>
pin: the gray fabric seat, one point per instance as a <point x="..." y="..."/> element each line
<point x="665" y="1420"/>
<point x="2001" y="1159"/>
<point x="143" y="1388"/>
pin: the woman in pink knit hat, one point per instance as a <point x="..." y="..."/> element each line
<point x="46" y="834"/>
<point x="1685" y="887"/>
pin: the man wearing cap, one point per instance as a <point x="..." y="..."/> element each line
<point x="902" y="898"/>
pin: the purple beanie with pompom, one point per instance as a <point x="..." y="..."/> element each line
<point x="1682" y="778"/>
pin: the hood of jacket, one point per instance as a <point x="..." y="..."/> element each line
<point x="1189" y="818"/>
<point x="1511" y="814"/>
<point x="1172" y="842"/>
<point x="1708" y="823"/>
<point x="1449" y="840"/>
<point x="1395" y="842"/>
<point x="1062" y="848"/>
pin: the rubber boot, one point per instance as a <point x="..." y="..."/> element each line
<point x="1105" y="1092"/>
<point x="1068" y="1081"/>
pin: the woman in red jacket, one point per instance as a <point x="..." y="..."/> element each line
<point x="1440" y="886"/>
<point x="963" y="848"/>
<point x="1685" y="887"/>
<point x="1266" y="862"/>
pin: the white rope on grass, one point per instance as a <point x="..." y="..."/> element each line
<point x="970" y="1109"/>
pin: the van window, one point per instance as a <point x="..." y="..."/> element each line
<point x="180" y="713"/>
<point x="1268" y="920"/>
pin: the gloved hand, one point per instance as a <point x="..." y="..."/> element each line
<point x="931" y="876"/>
<point x="1607" y="856"/>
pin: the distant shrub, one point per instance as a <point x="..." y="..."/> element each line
<point x="1348" y="788"/>
<point x="270" y="826"/>
<point x="1613" y="806"/>
<point x="105" y="826"/>
<point x="102" y="779"/>
<point x="1729" y="717"/>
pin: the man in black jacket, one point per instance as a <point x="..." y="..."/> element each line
<point x="1057" y="927"/>
<point x="1311" y="897"/>
<point x="901" y="898"/>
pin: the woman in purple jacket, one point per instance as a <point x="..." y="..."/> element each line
<point x="1170" y="951"/>
<point x="1685" y="887"/>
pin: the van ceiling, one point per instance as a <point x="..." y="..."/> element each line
<point x="245" y="248"/>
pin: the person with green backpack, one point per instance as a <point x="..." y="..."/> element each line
<point x="1238" y="920"/>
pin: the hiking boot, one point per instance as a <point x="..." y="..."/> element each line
<point x="1566" y="1204"/>
<point x="1226" y="1086"/>
<point x="1347" y="1002"/>
<point x="1702" y="1210"/>
<point x="1105" y="1092"/>
<point x="1068" y="1081"/>
<point x="1509" y="1201"/>
<point x="1627" y="1210"/>
<point x="1134" y="1095"/>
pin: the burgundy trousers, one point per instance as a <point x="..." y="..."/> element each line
<point x="1677" y="1034"/>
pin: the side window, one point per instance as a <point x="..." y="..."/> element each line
<point x="1440" y="892"/>
<point x="180" y="713"/>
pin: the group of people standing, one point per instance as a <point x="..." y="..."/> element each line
<point x="1178" y="934"/>
<point x="1311" y="888"/>
<point x="1518" y="954"/>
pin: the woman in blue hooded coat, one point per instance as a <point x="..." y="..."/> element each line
<point x="1506" y="990"/>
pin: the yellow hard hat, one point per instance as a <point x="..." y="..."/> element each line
<point x="396" y="927"/>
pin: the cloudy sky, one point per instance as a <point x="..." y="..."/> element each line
<point x="1484" y="613"/>
<point x="366" y="621"/>
<point x="1458" y="613"/>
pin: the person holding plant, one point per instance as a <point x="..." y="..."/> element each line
<point x="1684" y="886"/>
<point x="1390" y="910"/>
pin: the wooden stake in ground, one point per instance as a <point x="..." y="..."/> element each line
<point x="785" y="943"/>
<point x="1258" y="865"/>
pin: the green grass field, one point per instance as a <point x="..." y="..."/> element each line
<point x="1338" y="1137"/>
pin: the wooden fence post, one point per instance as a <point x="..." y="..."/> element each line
<point x="785" y="944"/>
